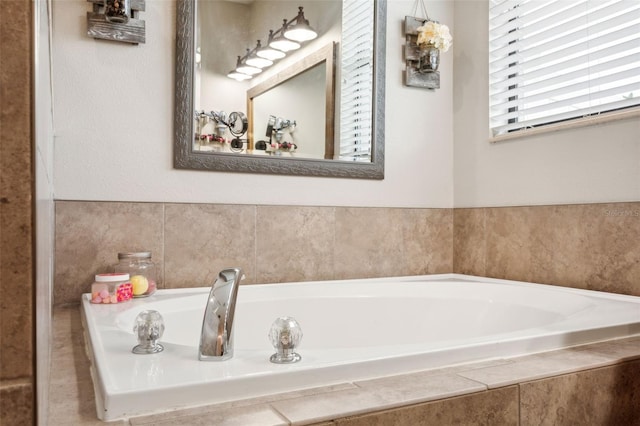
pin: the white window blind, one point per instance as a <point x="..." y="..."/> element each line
<point x="356" y="97"/>
<point x="551" y="61"/>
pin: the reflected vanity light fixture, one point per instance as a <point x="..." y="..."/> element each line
<point x="242" y="67"/>
<point x="269" y="52"/>
<point x="293" y="32"/>
<point x="281" y="42"/>
<point x="257" y="61"/>
<point x="300" y="30"/>
<point x="238" y="76"/>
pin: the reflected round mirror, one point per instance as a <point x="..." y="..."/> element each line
<point x="317" y="110"/>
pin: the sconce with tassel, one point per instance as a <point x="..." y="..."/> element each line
<point x="425" y="40"/>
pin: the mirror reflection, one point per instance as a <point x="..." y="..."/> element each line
<point x="258" y="91"/>
<point x="242" y="47"/>
<point x="304" y="128"/>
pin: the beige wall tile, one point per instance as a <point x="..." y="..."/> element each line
<point x="89" y="236"/>
<point x="591" y="246"/>
<point x="605" y="396"/>
<point x="497" y="407"/>
<point x="427" y="241"/>
<point x="586" y="246"/>
<point x="520" y="243"/>
<point x="202" y="239"/>
<point x="469" y="241"/>
<point x="381" y="242"/>
<point x="368" y="242"/>
<point x="294" y="243"/>
<point x="598" y="247"/>
<point x="16" y="404"/>
<point x="16" y="192"/>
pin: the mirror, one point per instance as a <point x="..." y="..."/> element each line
<point x="352" y="144"/>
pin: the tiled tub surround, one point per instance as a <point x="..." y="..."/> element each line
<point x="595" y="384"/>
<point x="591" y="246"/>
<point x="193" y="242"/>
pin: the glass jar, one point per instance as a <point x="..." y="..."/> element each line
<point x="111" y="288"/>
<point x="117" y="11"/>
<point x="142" y="271"/>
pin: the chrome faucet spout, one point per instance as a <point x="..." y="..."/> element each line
<point x="216" y="338"/>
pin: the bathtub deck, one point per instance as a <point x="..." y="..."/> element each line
<point x="72" y="398"/>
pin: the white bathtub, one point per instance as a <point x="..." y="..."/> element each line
<point x="353" y="329"/>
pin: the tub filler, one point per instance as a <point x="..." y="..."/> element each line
<point x="353" y="330"/>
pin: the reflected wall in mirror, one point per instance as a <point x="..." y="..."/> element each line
<point x="291" y="114"/>
<point x="211" y="114"/>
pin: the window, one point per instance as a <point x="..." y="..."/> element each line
<point x="552" y="61"/>
<point x="356" y="102"/>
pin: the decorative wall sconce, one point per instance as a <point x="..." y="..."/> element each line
<point x="116" y="20"/>
<point x="425" y="39"/>
<point x="286" y="38"/>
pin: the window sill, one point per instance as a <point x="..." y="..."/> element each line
<point x="581" y="122"/>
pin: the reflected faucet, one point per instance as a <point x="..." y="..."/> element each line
<point x="216" y="338"/>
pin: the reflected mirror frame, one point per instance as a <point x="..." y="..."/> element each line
<point x="186" y="158"/>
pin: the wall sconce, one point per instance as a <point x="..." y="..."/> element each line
<point x="293" y="32"/>
<point x="425" y="39"/>
<point x="116" y="20"/>
<point x="414" y="76"/>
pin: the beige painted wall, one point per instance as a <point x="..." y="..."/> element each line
<point x="116" y="145"/>
<point x="592" y="164"/>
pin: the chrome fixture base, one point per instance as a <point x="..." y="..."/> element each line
<point x="145" y="350"/>
<point x="279" y="358"/>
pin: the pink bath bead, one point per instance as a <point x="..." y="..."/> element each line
<point x="107" y="300"/>
<point x="96" y="299"/>
<point x="104" y="294"/>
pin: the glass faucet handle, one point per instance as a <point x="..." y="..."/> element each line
<point x="285" y="335"/>
<point x="149" y="328"/>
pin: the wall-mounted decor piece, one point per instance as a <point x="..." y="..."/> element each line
<point x="116" y="20"/>
<point x="425" y="39"/>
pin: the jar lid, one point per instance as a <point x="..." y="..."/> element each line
<point x="137" y="254"/>
<point x="107" y="278"/>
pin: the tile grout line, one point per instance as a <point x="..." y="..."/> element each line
<point x="164" y="245"/>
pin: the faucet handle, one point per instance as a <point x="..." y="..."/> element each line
<point x="285" y="336"/>
<point x="149" y="328"/>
